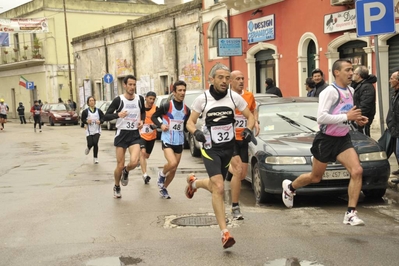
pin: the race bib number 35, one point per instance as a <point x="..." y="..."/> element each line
<point x="221" y="134"/>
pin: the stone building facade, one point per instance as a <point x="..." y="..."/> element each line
<point x="158" y="49"/>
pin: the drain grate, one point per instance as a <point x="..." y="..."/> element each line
<point x="195" y="220"/>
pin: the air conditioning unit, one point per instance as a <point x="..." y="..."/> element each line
<point x="341" y="2"/>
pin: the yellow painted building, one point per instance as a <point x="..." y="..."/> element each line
<point x="45" y="62"/>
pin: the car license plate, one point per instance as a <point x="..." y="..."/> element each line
<point x="67" y="118"/>
<point x="336" y="174"/>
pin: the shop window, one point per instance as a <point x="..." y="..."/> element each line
<point x="354" y="52"/>
<point x="219" y="31"/>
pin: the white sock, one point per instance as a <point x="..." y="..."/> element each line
<point x="145" y="175"/>
<point x="193" y="185"/>
<point x="223" y="231"/>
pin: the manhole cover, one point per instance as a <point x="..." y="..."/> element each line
<point x="195" y="220"/>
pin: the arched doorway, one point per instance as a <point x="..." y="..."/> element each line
<point x="311" y="55"/>
<point x="265" y="68"/>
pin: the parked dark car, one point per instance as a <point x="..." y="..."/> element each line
<point x="58" y="113"/>
<point x="287" y="130"/>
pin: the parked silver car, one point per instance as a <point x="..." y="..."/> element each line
<point x="108" y="124"/>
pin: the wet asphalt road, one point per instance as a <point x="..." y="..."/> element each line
<point x="57" y="209"/>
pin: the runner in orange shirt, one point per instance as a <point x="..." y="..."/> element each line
<point x="239" y="161"/>
<point x="148" y="134"/>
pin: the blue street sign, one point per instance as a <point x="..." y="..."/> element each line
<point x="30" y="85"/>
<point x="374" y="17"/>
<point x="108" y="78"/>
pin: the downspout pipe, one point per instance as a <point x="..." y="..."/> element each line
<point x="176" y="51"/>
<point x="133" y="54"/>
<point x="229" y="36"/>
<point x="106" y="55"/>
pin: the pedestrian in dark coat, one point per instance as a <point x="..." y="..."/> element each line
<point x="21" y="113"/>
<point x="318" y="78"/>
<point x="364" y="96"/>
<point x="392" y="119"/>
<point x="272" y="89"/>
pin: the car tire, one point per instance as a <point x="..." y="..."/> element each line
<point x="374" y="193"/>
<point x="51" y="122"/>
<point x="257" y="185"/>
<point x="109" y="125"/>
<point x="186" y="143"/>
<point x="195" y="152"/>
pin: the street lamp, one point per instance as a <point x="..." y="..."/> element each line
<point x="68" y="55"/>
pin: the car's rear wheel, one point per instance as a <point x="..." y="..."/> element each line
<point x="186" y="143"/>
<point x="109" y="125"/>
<point x="195" y="152"/>
<point x="259" y="189"/>
<point x="51" y="122"/>
<point x="374" y="193"/>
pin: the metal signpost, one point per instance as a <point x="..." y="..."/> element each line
<point x="373" y="18"/>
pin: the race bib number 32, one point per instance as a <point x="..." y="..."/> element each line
<point x="221" y="134"/>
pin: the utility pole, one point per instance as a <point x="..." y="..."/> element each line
<point x="68" y="55"/>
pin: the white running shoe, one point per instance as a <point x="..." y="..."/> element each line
<point x="161" y="180"/>
<point x="236" y="212"/>
<point x="352" y="219"/>
<point x="95" y="160"/>
<point x="87" y="151"/>
<point x="117" y="192"/>
<point x="288" y="195"/>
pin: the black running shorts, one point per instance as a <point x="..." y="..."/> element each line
<point x="241" y="149"/>
<point x="126" y="138"/>
<point x="176" y="148"/>
<point x="326" y="148"/>
<point x="217" y="161"/>
<point x="148" y="145"/>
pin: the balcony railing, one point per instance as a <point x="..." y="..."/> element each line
<point x="27" y="55"/>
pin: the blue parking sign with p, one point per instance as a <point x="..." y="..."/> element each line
<point x="375" y="17"/>
<point x="30" y="85"/>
